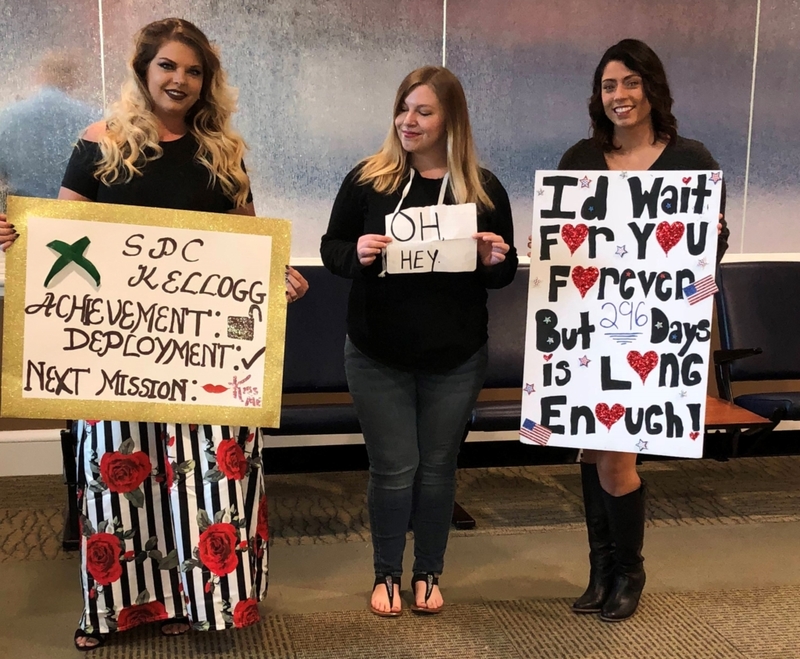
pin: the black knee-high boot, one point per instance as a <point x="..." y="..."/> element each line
<point x="601" y="546"/>
<point x="626" y="522"/>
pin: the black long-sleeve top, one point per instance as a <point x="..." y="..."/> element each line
<point x="428" y="322"/>
<point x="679" y="154"/>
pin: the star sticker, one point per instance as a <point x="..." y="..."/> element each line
<point x="641" y="445"/>
<point x="683" y="394"/>
<point x="716" y="177"/>
<point x="668" y="205"/>
<point x="550" y="340"/>
<point x="659" y="325"/>
<point x="529" y="388"/>
<point x="72" y="254"/>
<point x="547" y="320"/>
<point x="586" y="182"/>
<point x="621" y="251"/>
<point x="536" y="282"/>
<point x="623" y="175"/>
<point x="540" y="192"/>
<point x="584" y="361"/>
<point x="702" y="263"/>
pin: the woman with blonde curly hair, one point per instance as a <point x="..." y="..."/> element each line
<point x="173" y="516"/>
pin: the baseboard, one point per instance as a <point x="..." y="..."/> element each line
<point x="30" y="452"/>
<point x="36" y="452"/>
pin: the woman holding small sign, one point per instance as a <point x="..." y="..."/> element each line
<point x="632" y="129"/>
<point x="173" y="516"/>
<point x="415" y="355"/>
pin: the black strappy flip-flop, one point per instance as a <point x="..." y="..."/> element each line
<point x="389" y="581"/>
<point x="183" y="620"/>
<point x="100" y="638"/>
<point x="430" y="580"/>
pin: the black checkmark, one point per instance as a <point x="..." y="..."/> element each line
<point x="248" y="364"/>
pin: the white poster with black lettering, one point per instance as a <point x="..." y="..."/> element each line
<point x="431" y="238"/>
<point x="141" y="314"/>
<point x="619" y="310"/>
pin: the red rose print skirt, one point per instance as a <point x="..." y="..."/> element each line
<point x="173" y="523"/>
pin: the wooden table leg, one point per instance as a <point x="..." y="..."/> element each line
<point x="461" y="518"/>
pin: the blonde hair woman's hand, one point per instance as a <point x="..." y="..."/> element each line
<point x="7" y="233"/>
<point x="369" y="246"/>
<point x="296" y="285"/>
<point x="491" y="248"/>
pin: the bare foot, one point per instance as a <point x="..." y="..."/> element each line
<point x="380" y="599"/>
<point x="175" y="628"/>
<point x="435" y="601"/>
<point x="87" y="642"/>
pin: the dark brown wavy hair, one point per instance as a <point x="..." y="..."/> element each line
<point x="641" y="59"/>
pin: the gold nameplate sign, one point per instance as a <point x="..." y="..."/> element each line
<point x="143" y="314"/>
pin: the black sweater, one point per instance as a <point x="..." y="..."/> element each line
<point x="678" y="154"/>
<point x="427" y="322"/>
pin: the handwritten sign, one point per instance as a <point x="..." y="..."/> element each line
<point x="121" y="312"/>
<point x="619" y="310"/>
<point x="432" y="239"/>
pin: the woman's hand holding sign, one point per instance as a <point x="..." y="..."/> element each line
<point x="491" y="248"/>
<point x="296" y="285"/>
<point x="369" y="246"/>
<point x="7" y="233"/>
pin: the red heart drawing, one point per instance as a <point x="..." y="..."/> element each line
<point x="642" y="364"/>
<point x="694" y="434"/>
<point x="584" y="278"/>
<point x="686" y="180"/>
<point x="668" y="235"/>
<point x="574" y="236"/>
<point x="547" y="358"/>
<point x="608" y="417"/>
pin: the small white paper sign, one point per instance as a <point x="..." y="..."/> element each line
<point x="432" y="239"/>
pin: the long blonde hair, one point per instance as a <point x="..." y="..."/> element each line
<point x="131" y="137"/>
<point x="386" y="169"/>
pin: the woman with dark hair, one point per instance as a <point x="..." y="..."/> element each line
<point x="415" y="355"/>
<point x="173" y="516"/>
<point x="633" y="128"/>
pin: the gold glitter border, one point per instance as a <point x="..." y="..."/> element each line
<point x="13" y="403"/>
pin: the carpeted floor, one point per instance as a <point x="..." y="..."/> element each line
<point x="329" y="508"/>
<point x="749" y="624"/>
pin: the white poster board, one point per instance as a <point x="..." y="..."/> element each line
<point x="140" y="314"/>
<point x="432" y="239"/>
<point x="619" y="310"/>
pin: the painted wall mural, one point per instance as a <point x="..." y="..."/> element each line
<point x="316" y="82"/>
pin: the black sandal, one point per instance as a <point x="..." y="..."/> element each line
<point x="389" y="581"/>
<point x="100" y="638"/>
<point x="183" y="620"/>
<point x="430" y="580"/>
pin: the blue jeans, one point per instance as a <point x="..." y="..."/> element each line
<point x="413" y="424"/>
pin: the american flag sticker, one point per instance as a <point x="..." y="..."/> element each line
<point x="700" y="290"/>
<point x="534" y="433"/>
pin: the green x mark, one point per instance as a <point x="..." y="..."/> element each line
<point x="72" y="254"/>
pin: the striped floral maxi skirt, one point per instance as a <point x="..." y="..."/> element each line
<point x="173" y="523"/>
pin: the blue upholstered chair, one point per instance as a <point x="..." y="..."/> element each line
<point x="759" y="320"/>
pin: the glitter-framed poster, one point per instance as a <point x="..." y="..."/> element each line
<point x="146" y="314"/>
